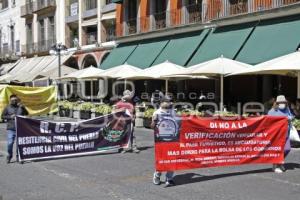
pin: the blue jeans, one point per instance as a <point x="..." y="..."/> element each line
<point x="11" y="135"/>
<point x="169" y="175"/>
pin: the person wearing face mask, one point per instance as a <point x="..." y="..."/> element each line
<point x="9" y="113"/>
<point x="164" y="112"/>
<point x="281" y="109"/>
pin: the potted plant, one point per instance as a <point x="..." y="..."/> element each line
<point x="148" y="117"/>
<point x="76" y="110"/>
<point x="65" y="108"/>
<point x="85" y="110"/>
<point x="296" y="123"/>
<point x="101" y="110"/>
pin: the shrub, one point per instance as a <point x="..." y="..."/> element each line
<point x="149" y="113"/>
<point x="103" y="109"/>
<point x="86" y="106"/>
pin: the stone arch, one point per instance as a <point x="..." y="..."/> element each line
<point x="89" y="60"/>
<point x="103" y="56"/>
<point x="72" y="62"/>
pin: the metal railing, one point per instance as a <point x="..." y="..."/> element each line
<point x="39" y="47"/>
<point x="199" y="13"/>
<point x="42" y="4"/>
<point x="132" y="26"/>
<point x="26" y="9"/>
<point x="238" y="8"/>
<point x="160" y="20"/>
<point x="288" y="2"/>
<point x="29" y="48"/>
<point x="45" y="45"/>
<point x="9" y="50"/>
<point x="144" y="24"/>
<point x="193" y="13"/>
<point x="175" y="17"/>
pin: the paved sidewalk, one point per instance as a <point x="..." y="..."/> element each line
<point x="114" y="176"/>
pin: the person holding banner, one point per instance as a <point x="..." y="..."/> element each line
<point x="281" y="109"/>
<point x="165" y="129"/>
<point x="126" y="104"/>
<point x="10" y="112"/>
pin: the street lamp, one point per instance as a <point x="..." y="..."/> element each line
<point x="58" y="50"/>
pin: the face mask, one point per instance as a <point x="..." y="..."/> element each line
<point x="281" y="106"/>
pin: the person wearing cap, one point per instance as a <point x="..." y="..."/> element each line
<point x="281" y="109"/>
<point x="126" y="104"/>
<point x="164" y="111"/>
<point x="156" y="98"/>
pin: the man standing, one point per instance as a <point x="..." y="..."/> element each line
<point x="10" y="112"/>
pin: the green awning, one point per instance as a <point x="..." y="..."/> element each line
<point x="225" y="41"/>
<point x="118" y="56"/>
<point x="117" y="1"/>
<point x="271" y="39"/>
<point x="181" y="48"/>
<point x="146" y="53"/>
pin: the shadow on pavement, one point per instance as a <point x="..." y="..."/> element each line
<point x="75" y="156"/>
<point x="291" y="166"/>
<point x="188" y="178"/>
<point x="145" y="148"/>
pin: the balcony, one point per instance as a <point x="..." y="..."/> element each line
<point x="44" y="45"/>
<point x="41" y="6"/>
<point x="160" y="20"/>
<point x="240" y="7"/>
<point x="193" y="13"/>
<point x="37" y="48"/>
<point x="145" y="24"/>
<point x="10" y="51"/>
<point x="26" y="10"/>
<point x="132" y="26"/>
<point x="200" y="13"/>
<point x="29" y="48"/>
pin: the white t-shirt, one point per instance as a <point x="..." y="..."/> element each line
<point x="160" y="113"/>
<point x="166" y="124"/>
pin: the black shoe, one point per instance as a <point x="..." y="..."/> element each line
<point x="170" y="183"/>
<point x="8" y="159"/>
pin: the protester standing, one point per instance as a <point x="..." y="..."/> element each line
<point x="126" y="104"/>
<point x="10" y="112"/>
<point x="165" y="111"/>
<point x="281" y="109"/>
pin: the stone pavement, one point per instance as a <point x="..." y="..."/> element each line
<point x="114" y="176"/>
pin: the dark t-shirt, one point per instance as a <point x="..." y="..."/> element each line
<point x="9" y="112"/>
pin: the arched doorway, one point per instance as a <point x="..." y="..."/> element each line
<point x="89" y="60"/>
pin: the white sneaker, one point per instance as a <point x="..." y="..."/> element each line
<point x="282" y="167"/>
<point x="156" y="180"/>
<point x="278" y="170"/>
